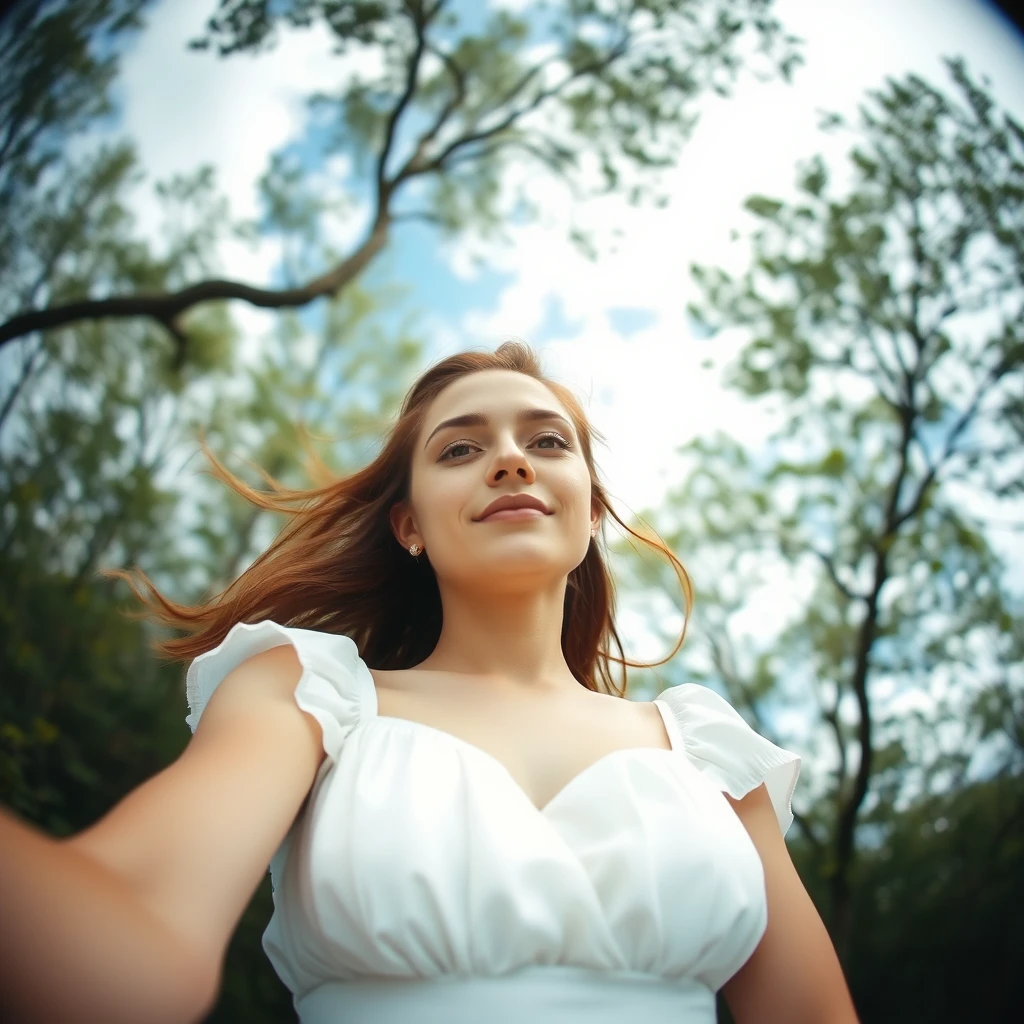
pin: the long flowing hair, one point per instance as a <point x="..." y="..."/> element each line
<point x="336" y="566"/>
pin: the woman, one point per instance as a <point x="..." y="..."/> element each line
<point x="406" y="707"/>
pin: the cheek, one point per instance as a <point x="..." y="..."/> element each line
<point x="576" y="494"/>
<point x="439" y="499"/>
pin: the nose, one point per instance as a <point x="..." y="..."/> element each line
<point x="510" y="460"/>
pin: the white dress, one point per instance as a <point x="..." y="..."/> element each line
<point x="420" y="884"/>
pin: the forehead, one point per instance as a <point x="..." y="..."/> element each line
<point x="493" y="393"/>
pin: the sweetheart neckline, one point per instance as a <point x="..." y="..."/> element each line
<point x="506" y="772"/>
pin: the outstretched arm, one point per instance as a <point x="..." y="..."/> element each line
<point x="78" y="944"/>
<point x="130" y="919"/>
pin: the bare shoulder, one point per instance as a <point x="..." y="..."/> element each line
<point x="268" y="678"/>
<point x="270" y="670"/>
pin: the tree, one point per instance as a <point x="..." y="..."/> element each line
<point x="82" y="449"/>
<point x="59" y="63"/>
<point x="585" y="93"/>
<point x="98" y="467"/>
<point x="883" y="334"/>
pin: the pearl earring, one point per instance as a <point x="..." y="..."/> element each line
<point x="414" y="550"/>
<point x="593" y="533"/>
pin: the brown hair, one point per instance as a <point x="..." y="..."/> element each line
<point x="336" y="566"/>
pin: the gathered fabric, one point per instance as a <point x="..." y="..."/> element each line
<point x="421" y="883"/>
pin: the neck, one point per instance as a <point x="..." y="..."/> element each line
<point x="512" y="637"/>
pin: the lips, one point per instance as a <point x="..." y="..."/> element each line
<point x="513" y="501"/>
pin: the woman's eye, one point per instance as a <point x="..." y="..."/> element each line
<point x="552" y="441"/>
<point x="456" y="450"/>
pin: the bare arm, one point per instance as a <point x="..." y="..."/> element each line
<point x="130" y="919"/>
<point x="75" y="943"/>
<point x="794" y="976"/>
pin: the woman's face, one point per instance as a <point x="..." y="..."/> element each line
<point x="490" y="439"/>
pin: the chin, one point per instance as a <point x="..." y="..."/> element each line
<point x="514" y="565"/>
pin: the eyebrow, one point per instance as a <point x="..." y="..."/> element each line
<point x="476" y="419"/>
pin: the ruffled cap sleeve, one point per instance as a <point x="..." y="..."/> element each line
<point x="332" y="687"/>
<point x="721" y="745"/>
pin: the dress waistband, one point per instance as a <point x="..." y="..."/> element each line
<point x="536" y="995"/>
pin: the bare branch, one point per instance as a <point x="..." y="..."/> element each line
<point x="518" y="87"/>
<point x="842" y="587"/>
<point x="558" y="150"/>
<point x="420" y="18"/>
<point x="415" y="162"/>
<point x="166" y="307"/>
<point x="914" y="322"/>
<point x="30" y="364"/>
<point x="949" y="448"/>
<point x="724" y="660"/>
<point x="831" y="715"/>
<point x="517" y="114"/>
<point x="887" y="372"/>
<point x="849" y="806"/>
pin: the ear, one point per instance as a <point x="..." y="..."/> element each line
<point x="403" y="525"/>
<point x="596" y="516"/>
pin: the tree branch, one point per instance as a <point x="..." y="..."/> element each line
<point x="515" y="115"/>
<point x="831" y="715"/>
<point x="166" y="307"/>
<point x="29" y="366"/>
<point x="420" y="19"/>
<point x="456" y="100"/>
<point x="721" y="652"/>
<point x="866" y="635"/>
<point x="842" y="587"/>
<point x="491" y="150"/>
<point x="887" y="372"/>
<point x="949" y="449"/>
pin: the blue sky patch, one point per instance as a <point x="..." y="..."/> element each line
<point x="628" y="321"/>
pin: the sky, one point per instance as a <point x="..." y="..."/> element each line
<point x="615" y="330"/>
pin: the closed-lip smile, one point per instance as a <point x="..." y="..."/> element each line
<point x="509" y="501"/>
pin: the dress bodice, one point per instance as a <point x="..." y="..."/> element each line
<point x="418" y="858"/>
